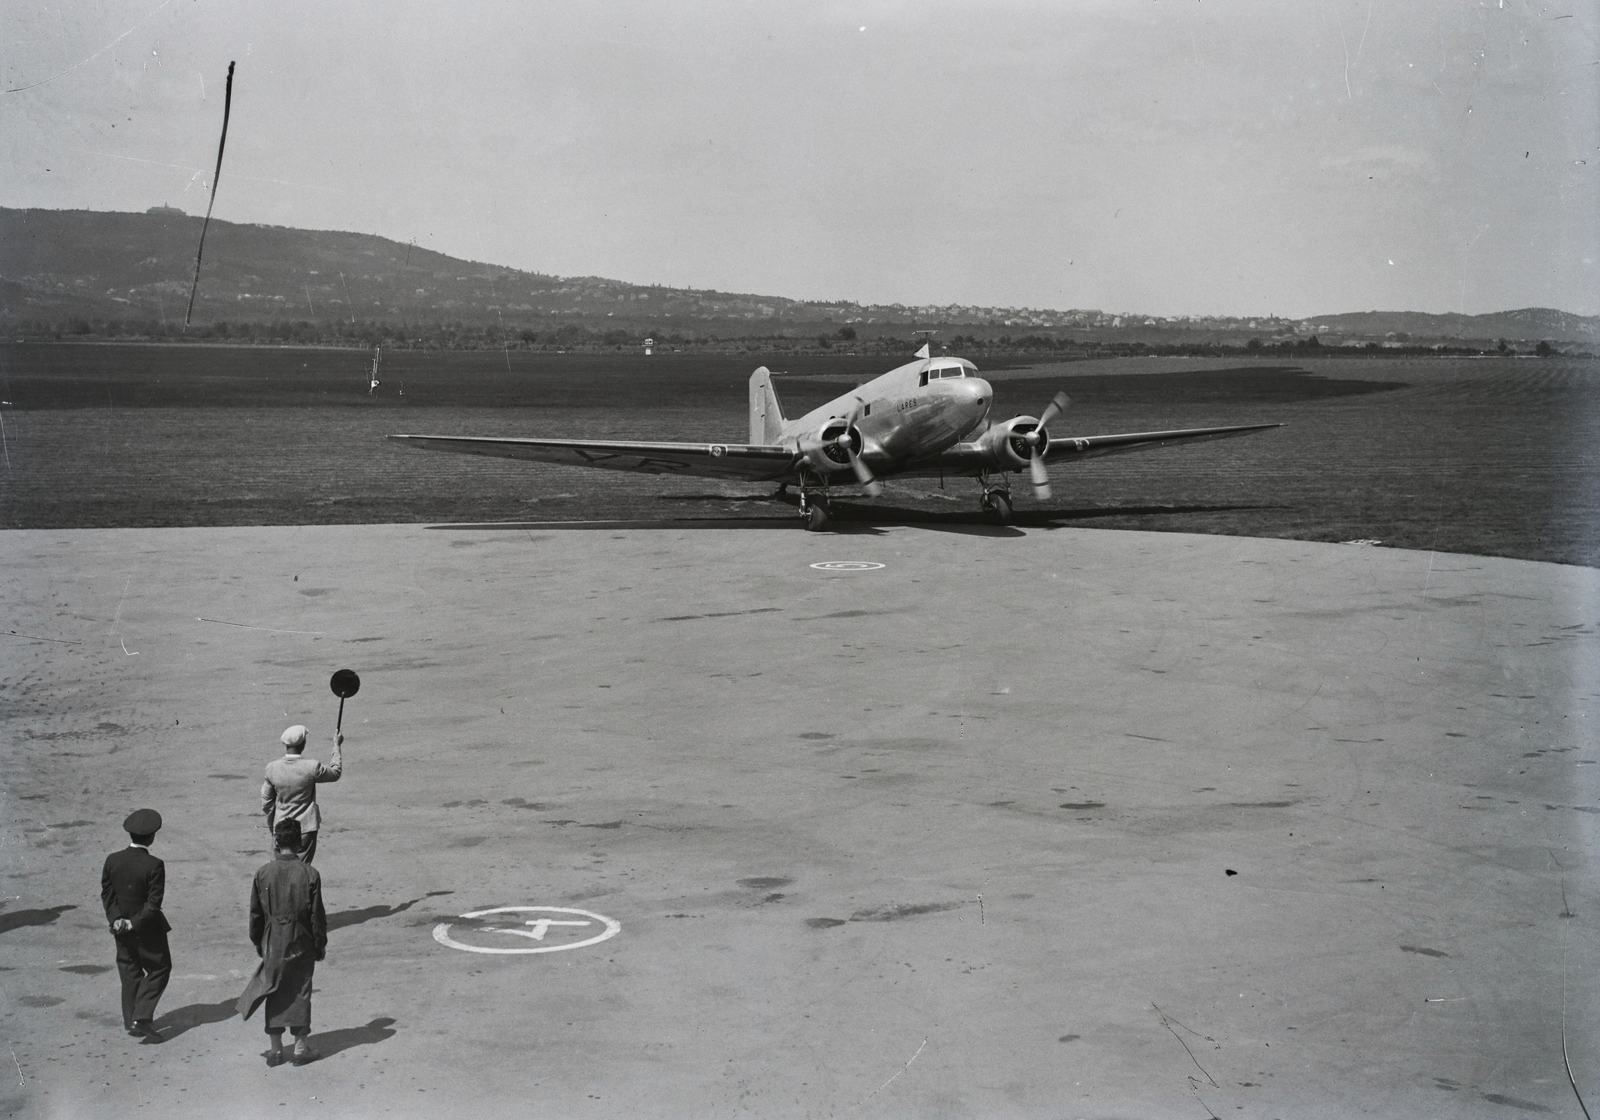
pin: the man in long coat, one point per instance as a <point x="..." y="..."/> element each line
<point x="132" y="886"/>
<point x="289" y="929"/>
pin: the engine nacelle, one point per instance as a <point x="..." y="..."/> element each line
<point x="1004" y="447"/>
<point x="829" y="449"/>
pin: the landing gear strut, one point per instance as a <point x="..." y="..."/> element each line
<point x="997" y="504"/>
<point x="996" y="501"/>
<point x="814" y="502"/>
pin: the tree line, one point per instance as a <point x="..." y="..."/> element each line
<point x="577" y="337"/>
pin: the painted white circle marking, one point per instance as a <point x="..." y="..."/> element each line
<point x="848" y="566"/>
<point x="539" y="927"/>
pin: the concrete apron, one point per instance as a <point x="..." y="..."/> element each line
<point x="1046" y="823"/>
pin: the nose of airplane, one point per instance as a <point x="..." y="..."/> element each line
<point x="976" y="395"/>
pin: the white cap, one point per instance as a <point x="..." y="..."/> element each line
<point x="294" y="736"/>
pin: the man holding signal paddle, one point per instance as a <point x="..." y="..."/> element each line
<point x="290" y="789"/>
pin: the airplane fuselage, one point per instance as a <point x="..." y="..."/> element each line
<point x="911" y="413"/>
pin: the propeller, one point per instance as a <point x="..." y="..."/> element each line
<point x="848" y="442"/>
<point x="1037" y="471"/>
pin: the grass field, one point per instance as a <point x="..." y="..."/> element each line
<point x="1496" y="457"/>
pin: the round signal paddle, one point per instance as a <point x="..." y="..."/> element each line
<point x="344" y="684"/>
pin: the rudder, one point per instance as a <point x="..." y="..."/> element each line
<point x="766" y="414"/>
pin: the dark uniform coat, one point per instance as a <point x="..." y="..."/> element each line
<point x="132" y="886"/>
<point x="290" y="931"/>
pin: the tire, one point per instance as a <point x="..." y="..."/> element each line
<point x="999" y="506"/>
<point x="817" y="517"/>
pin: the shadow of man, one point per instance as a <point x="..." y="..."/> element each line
<point x="330" y="1043"/>
<point x="19" y="918"/>
<point x="181" y="1020"/>
<point x="355" y="917"/>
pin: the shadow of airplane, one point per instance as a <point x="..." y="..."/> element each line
<point x="19" y="918"/>
<point x="367" y="913"/>
<point x="868" y="519"/>
<point x="184" y="1019"/>
<point x="789" y="522"/>
<point x="329" y="1043"/>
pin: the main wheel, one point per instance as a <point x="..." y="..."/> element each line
<point x="998" y="505"/>
<point x="817" y="517"/>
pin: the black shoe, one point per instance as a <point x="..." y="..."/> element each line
<point x="274" y="1058"/>
<point x="145" y="1029"/>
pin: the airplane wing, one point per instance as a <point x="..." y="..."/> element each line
<point x="965" y="458"/>
<point x="1092" y="447"/>
<point x="755" y="462"/>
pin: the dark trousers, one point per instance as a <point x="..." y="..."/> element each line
<point x="145" y="963"/>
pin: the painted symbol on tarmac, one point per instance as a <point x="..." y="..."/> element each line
<point x="847" y="566"/>
<point x="558" y="929"/>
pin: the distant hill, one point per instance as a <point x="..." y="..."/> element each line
<point x="91" y="267"/>
<point x="1529" y="323"/>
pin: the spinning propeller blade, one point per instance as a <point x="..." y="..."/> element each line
<point x="1040" y="475"/>
<point x="1037" y="471"/>
<point x="848" y="440"/>
<point x="1058" y="405"/>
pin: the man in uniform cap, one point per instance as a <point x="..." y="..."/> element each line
<point x="290" y="791"/>
<point x="131" y="886"/>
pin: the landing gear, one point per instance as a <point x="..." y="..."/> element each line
<point x="814" y="502"/>
<point x="997" y="504"/>
<point x="996" y="500"/>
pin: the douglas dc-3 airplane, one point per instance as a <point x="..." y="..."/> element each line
<point x="913" y="420"/>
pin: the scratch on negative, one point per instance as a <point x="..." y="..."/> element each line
<point x="20" y="1079"/>
<point x="247" y="626"/>
<point x="95" y="55"/>
<point x="1185" y="1045"/>
<point x="116" y="618"/>
<point x="897" y="1073"/>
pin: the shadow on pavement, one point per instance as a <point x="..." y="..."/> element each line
<point x="185" y="1019"/>
<point x="19" y="918"/>
<point x="329" y="1043"/>
<point x="848" y="519"/>
<point x="789" y="522"/>
<point x="355" y="917"/>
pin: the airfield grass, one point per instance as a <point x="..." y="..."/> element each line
<point x="1487" y="456"/>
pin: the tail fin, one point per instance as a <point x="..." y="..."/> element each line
<point x="766" y="414"/>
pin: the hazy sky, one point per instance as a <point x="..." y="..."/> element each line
<point x="1160" y="156"/>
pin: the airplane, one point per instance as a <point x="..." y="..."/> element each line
<point x="914" y="420"/>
